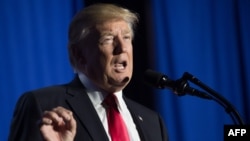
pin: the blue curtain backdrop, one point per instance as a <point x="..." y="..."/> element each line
<point x="208" y="38"/>
<point x="33" y="49"/>
<point x="211" y="40"/>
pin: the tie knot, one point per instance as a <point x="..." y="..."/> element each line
<point x="110" y="101"/>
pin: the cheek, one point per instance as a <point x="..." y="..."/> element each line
<point x="101" y="62"/>
<point x="105" y="57"/>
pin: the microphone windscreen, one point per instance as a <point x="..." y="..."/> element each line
<point x="153" y="78"/>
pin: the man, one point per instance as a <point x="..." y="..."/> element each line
<point x="101" y="52"/>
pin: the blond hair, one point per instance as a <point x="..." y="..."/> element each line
<point x="88" y="17"/>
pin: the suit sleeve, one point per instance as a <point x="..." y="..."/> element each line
<point x="25" y="121"/>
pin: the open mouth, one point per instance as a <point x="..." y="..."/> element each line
<point x="120" y="65"/>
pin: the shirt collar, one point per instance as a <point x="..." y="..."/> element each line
<point x="97" y="95"/>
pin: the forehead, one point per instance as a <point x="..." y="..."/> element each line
<point x="113" y="27"/>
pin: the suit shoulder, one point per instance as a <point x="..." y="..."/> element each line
<point x="44" y="97"/>
<point x="46" y="94"/>
<point x="50" y="88"/>
<point x="53" y="89"/>
<point x="139" y="107"/>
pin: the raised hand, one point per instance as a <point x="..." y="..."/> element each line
<point x="58" y="125"/>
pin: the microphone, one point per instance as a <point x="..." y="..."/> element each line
<point x="179" y="87"/>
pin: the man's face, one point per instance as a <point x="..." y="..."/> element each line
<point x="109" y="56"/>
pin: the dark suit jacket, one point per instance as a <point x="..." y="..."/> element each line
<point x="30" y="106"/>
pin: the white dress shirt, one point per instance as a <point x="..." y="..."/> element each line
<point x="97" y="96"/>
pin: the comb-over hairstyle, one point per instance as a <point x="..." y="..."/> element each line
<point x="90" y="16"/>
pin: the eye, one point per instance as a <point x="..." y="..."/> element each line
<point x="127" y="37"/>
<point x="106" y="40"/>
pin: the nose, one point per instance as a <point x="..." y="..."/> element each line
<point x="120" y="46"/>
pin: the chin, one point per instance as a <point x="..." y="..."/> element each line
<point x="119" y="84"/>
<point x="114" y="88"/>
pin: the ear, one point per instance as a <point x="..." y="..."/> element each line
<point x="78" y="57"/>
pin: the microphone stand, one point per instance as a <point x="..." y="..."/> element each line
<point x="229" y="108"/>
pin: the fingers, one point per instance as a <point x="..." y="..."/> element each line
<point x="59" y="116"/>
<point x="71" y="125"/>
<point x="58" y="124"/>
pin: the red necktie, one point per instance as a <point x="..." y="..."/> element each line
<point x="117" y="128"/>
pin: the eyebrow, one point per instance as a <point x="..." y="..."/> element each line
<point x="110" y="33"/>
<point x="107" y="33"/>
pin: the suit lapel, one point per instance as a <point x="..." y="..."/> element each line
<point x="88" y="117"/>
<point x="85" y="111"/>
<point x="138" y="119"/>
